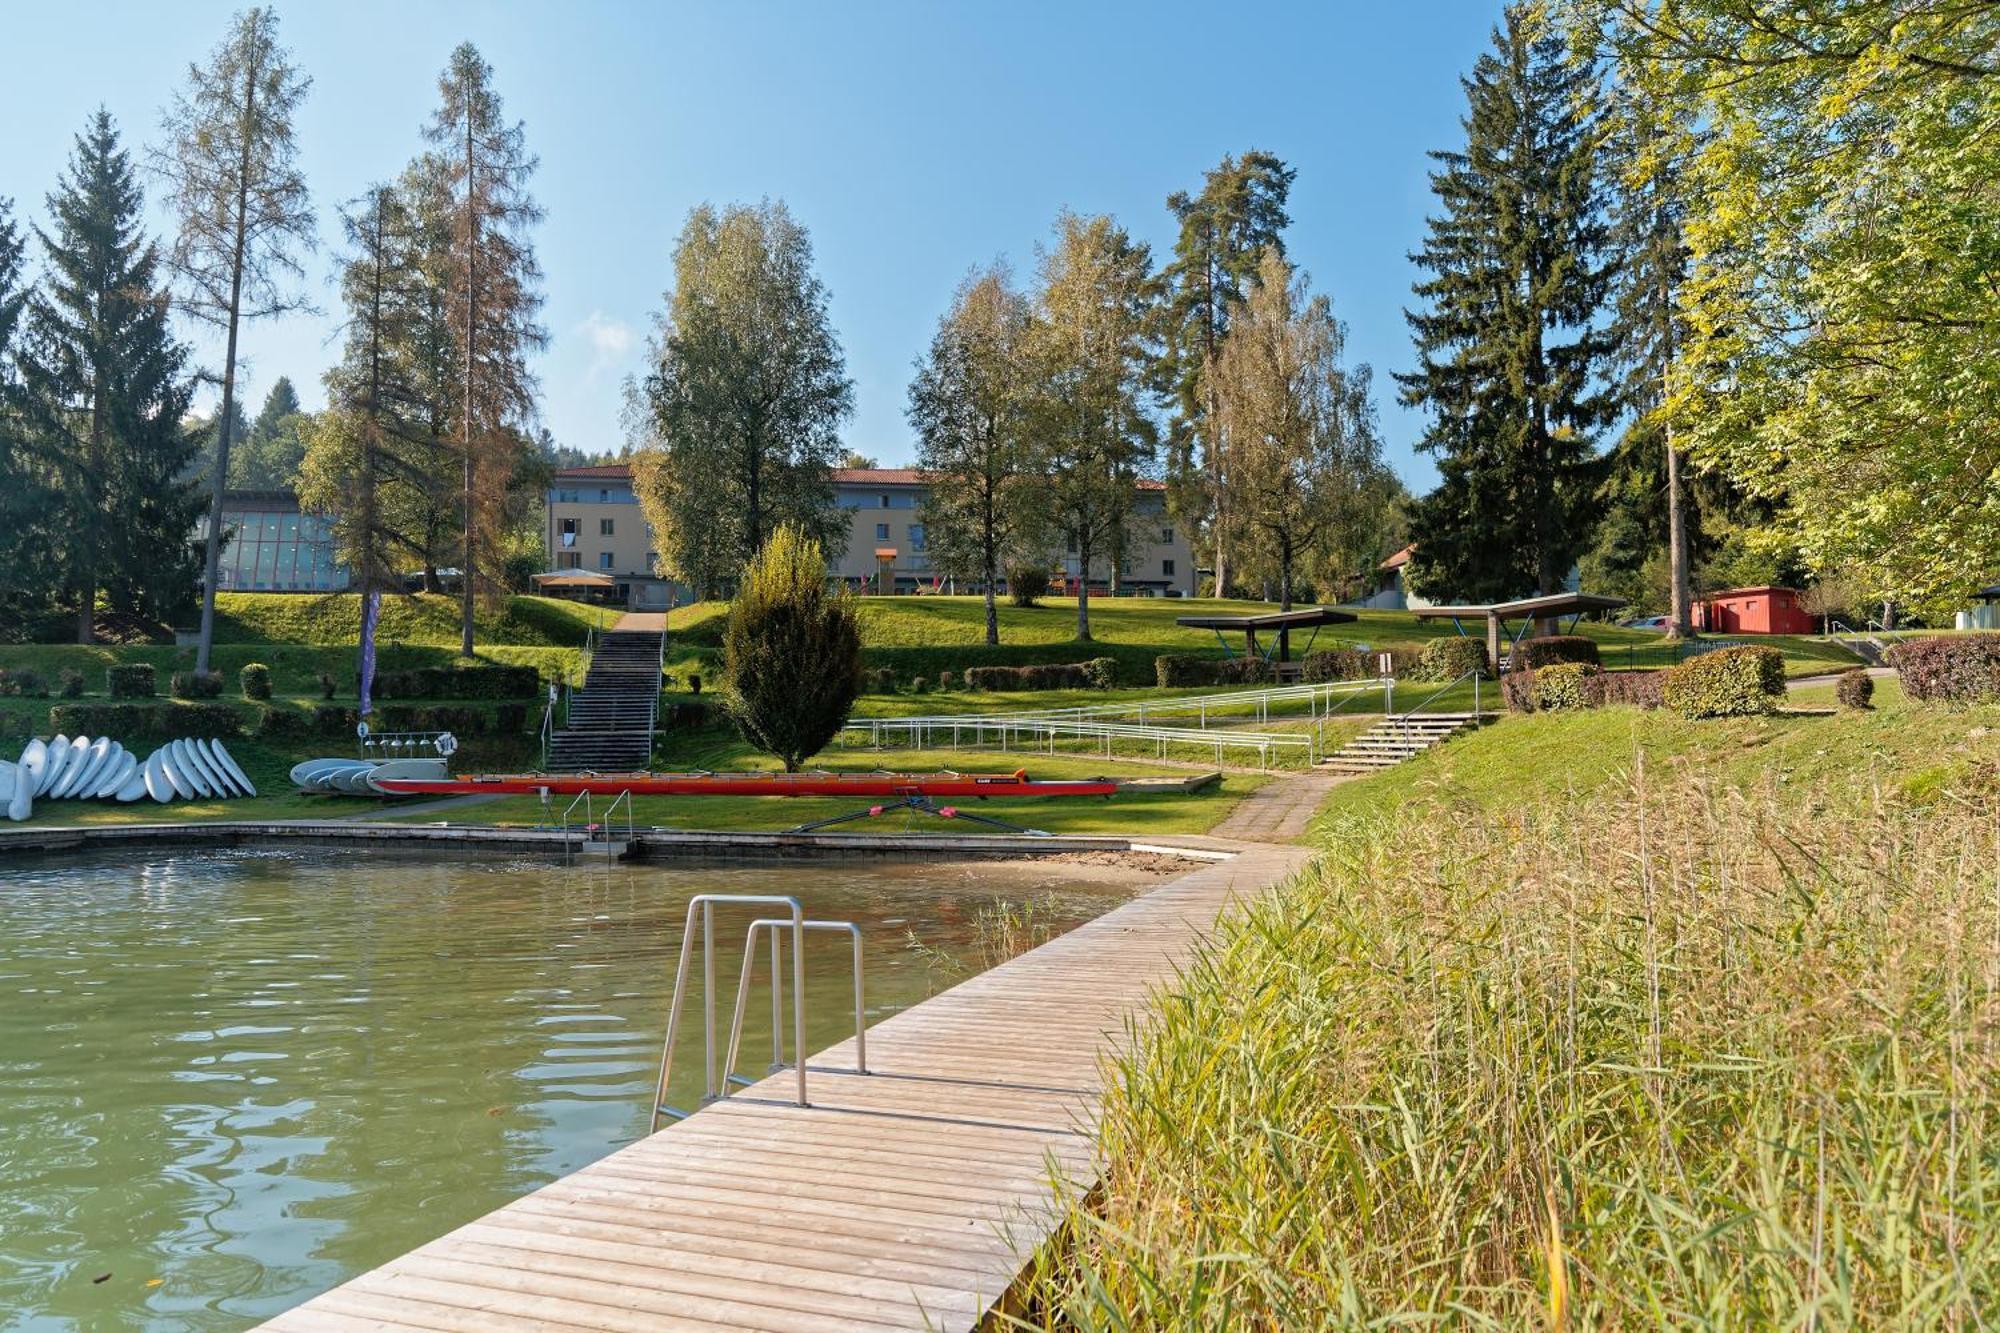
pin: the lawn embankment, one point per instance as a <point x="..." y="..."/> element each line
<point x="1600" y="1019"/>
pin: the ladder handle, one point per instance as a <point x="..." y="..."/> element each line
<point x="702" y="901"/>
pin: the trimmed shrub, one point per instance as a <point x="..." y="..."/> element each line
<point x="1731" y="682"/>
<point x="791" y="652"/>
<point x="459" y="682"/>
<point x="196" y="685"/>
<point x="23" y="681"/>
<point x="1446" y="659"/>
<point x="255" y="679"/>
<point x="1855" y="688"/>
<point x="1566" y="685"/>
<point x="1336" y="664"/>
<point x="130" y="680"/>
<point x="1103" y="673"/>
<point x="327" y="685"/>
<point x="1640" y="689"/>
<point x="1961" y="668"/>
<point x="880" y="680"/>
<point x="918" y="685"/>
<point x="947" y="680"/>
<point x="1027" y="584"/>
<point x="1550" y="649"/>
<point x="689" y="715"/>
<point x="69" y="683"/>
<point x="694" y="682"/>
<point x="1172" y="670"/>
<point x="1517" y="687"/>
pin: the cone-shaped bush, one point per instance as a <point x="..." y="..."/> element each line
<point x="791" y="654"/>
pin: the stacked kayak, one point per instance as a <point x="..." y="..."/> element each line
<point x="81" y="769"/>
<point x="358" y="777"/>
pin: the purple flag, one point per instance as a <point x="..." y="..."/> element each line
<point x="371" y="611"/>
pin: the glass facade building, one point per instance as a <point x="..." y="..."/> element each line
<point x="272" y="547"/>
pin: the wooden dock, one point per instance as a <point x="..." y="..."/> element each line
<point x="908" y="1198"/>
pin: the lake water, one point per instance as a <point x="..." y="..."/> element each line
<point x="230" y="1080"/>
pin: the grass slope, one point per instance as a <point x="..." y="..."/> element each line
<point x="1594" y="1020"/>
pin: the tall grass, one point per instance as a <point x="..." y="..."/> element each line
<point x="1677" y="1054"/>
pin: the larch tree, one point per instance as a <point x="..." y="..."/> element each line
<point x="1090" y="358"/>
<point x="1512" y="355"/>
<point x="745" y="398"/>
<point x="970" y="414"/>
<point x="230" y="164"/>
<point x="105" y="387"/>
<point x="371" y="456"/>
<point x="1237" y="216"/>
<point x="1300" y="427"/>
<point x="479" y="166"/>
<point x="1842" y="321"/>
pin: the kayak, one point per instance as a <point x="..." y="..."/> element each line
<point x="978" y="786"/>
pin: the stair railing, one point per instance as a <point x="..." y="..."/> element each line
<point x="1401" y="721"/>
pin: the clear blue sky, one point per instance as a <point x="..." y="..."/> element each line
<point x="913" y="139"/>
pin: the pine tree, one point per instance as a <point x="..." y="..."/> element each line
<point x="274" y="444"/>
<point x="791" y="651"/>
<point x="1510" y="353"/>
<point x="967" y="408"/>
<point x="481" y="165"/>
<point x="106" y="388"/>
<point x="1239" y="214"/>
<point x="231" y="168"/>
<point x="1090" y="358"/>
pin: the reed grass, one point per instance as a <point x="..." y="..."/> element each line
<point x="1676" y="1053"/>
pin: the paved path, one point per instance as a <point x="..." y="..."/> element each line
<point x="645" y="622"/>
<point x="910" y="1198"/>
<point x="1280" y="810"/>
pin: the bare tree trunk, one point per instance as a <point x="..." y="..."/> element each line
<point x="212" y="558"/>
<point x="1680" y="621"/>
<point x="86" y="606"/>
<point x="1083" y="590"/>
<point x="465" y="427"/>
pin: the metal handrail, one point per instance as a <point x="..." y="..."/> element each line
<point x="775" y="926"/>
<point x="1402" y="720"/>
<point x="590" y="818"/>
<point x="706" y="903"/>
<point x="1201" y="704"/>
<point x="1040" y="731"/>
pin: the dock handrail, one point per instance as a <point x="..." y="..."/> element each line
<point x="705" y="904"/>
<point x="775" y="927"/>
<point x="591" y="820"/>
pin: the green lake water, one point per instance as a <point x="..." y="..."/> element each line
<point x="230" y="1080"/>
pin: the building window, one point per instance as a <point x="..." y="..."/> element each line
<point x="884" y="502"/>
<point x="604" y="496"/>
<point x="652" y="561"/>
<point x="604" y="559"/>
<point x="569" y="560"/>
<point x="881" y="532"/>
<point x="1167" y="539"/>
<point x="604" y="527"/>
<point x="1167" y="568"/>
<point x="916" y="536"/>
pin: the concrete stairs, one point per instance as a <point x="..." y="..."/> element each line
<point x="1394" y="739"/>
<point x="610" y="724"/>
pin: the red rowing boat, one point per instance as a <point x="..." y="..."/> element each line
<point x="955" y="785"/>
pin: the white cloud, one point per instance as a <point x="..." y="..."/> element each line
<point x="610" y="341"/>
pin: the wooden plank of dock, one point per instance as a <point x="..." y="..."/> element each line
<point x="908" y="1198"/>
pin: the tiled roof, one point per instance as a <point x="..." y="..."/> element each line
<point x="1398" y="560"/>
<point x="853" y="476"/>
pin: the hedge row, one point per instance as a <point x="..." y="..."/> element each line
<point x="457" y="682"/>
<point x="1964" y="668"/>
<point x="1552" y="649"/>
<point x="1446" y="659"/>
<point x="1731" y="682"/>
<point x="333" y="720"/>
<point x="1099" y="673"/>
<point x="23" y="681"/>
<point x="168" y="720"/>
<point x="130" y="680"/>
<point x="1177" y="670"/>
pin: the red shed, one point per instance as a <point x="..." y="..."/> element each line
<point x="1754" y="611"/>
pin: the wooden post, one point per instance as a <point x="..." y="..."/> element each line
<point x="1493" y="639"/>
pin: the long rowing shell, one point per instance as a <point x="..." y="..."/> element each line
<point x="961" y="785"/>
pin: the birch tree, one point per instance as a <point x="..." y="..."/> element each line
<point x="244" y="216"/>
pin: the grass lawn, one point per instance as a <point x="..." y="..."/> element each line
<point x="1150" y="813"/>
<point x="1601" y="1019"/>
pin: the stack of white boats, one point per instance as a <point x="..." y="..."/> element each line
<point x="82" y="769"/>
<point x="355" y="777"/>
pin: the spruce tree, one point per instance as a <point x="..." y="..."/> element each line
<point x="1224" y="231"/>
<point x="1511" y="355"/>
<point x="24" y="550"/>
<point x="106" y="389"/>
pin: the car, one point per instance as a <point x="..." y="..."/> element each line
<point x="1644" y="622"/>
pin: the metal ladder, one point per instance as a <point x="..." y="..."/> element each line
<point x="796" y="923"/>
